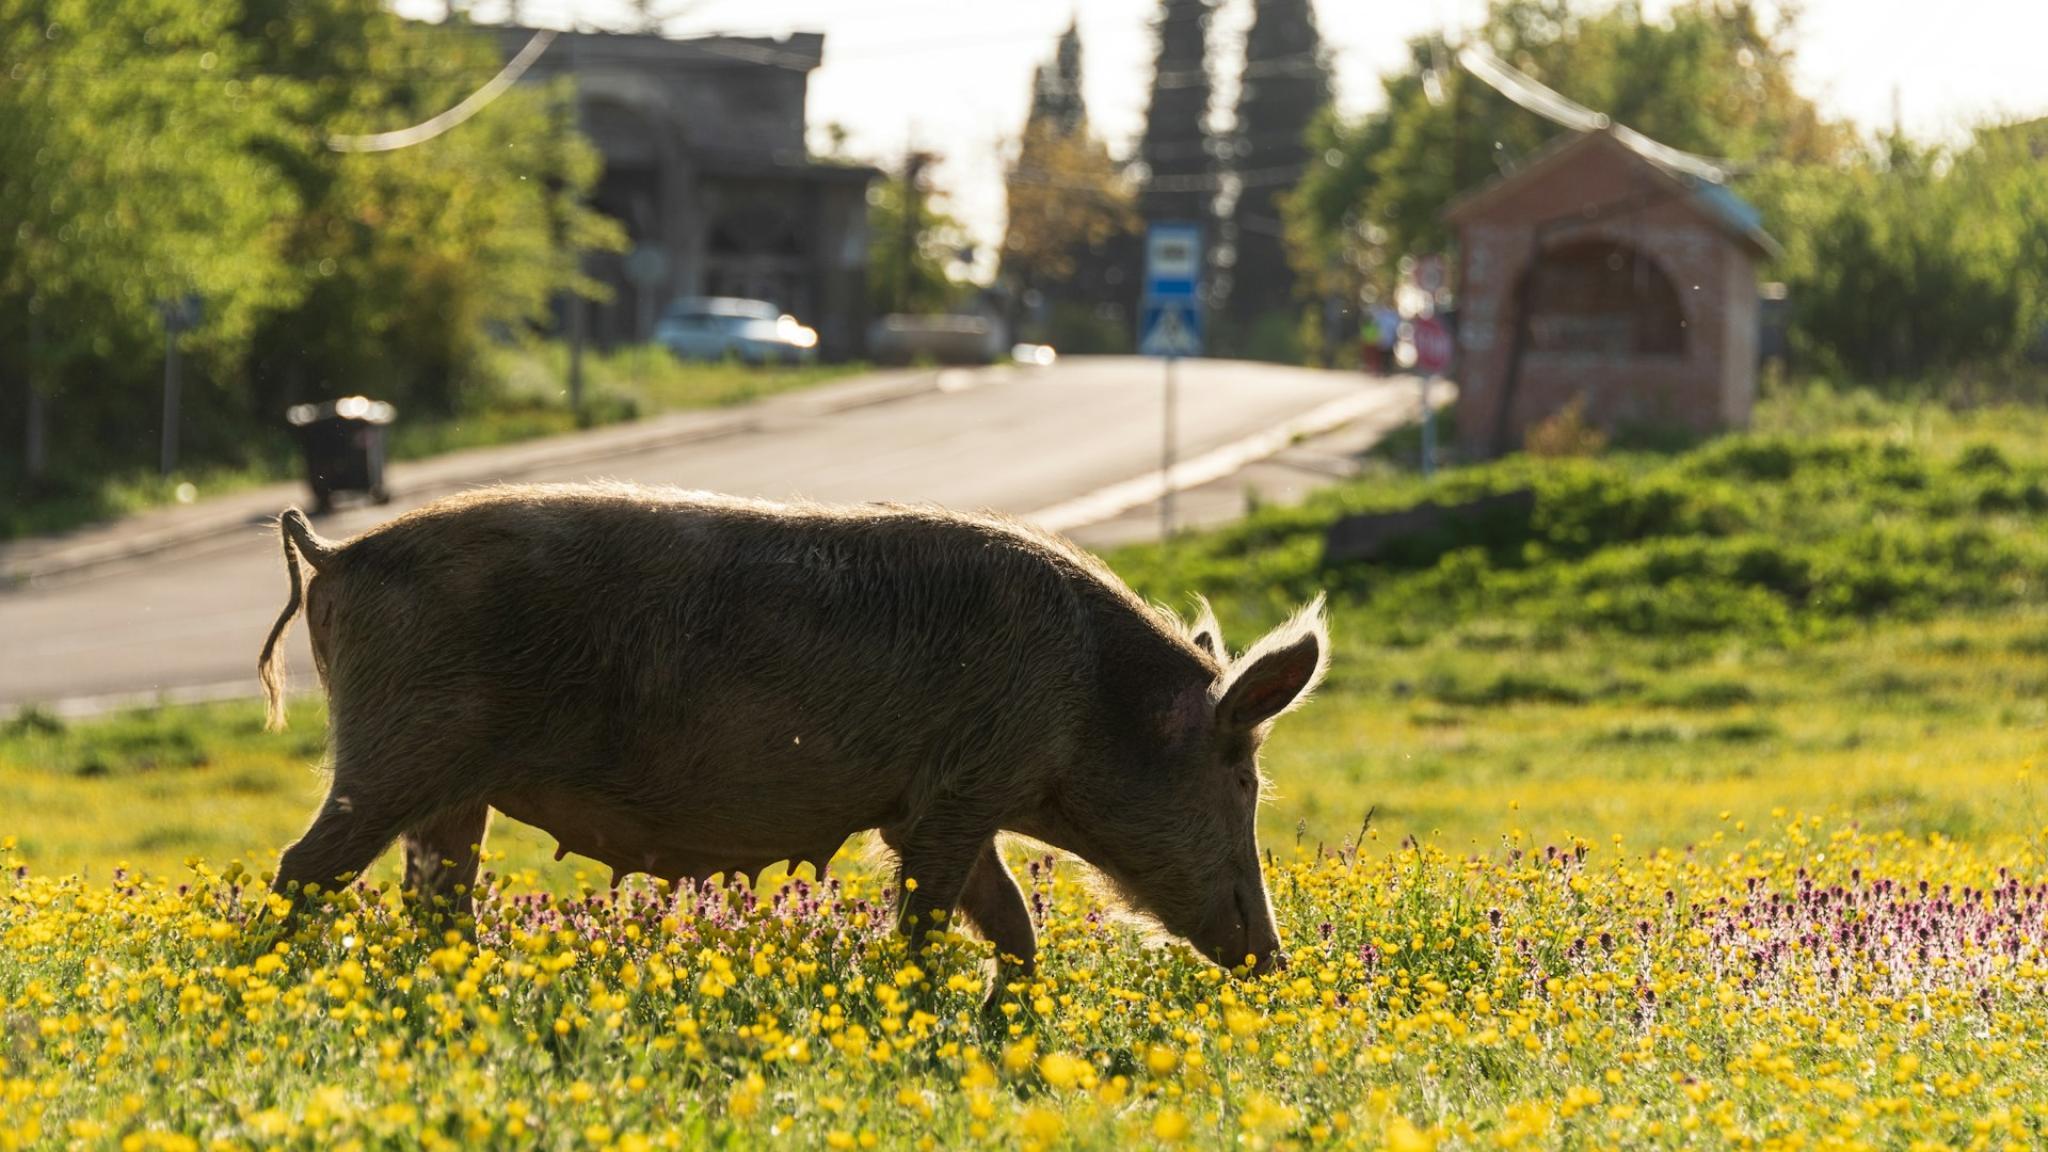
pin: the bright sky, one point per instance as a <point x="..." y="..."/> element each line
<point x="954" y="76"/>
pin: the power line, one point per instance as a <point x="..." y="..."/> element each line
<point x="474" y="103"/>
<point x="1531" y="94"/>
<point x="176" y="70"/>
<point x="733" y="46"/>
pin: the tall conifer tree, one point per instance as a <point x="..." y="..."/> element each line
<point x="1056" y="88"/>
<point x="1286" y="84"/>
<point x="1176" y="149"/>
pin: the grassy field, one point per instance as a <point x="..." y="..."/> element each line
<point x="1702" y="815"/>
<point x="1845" y="611"/>
<point x="530" y="400"/>
<point x="1928" y="729"/>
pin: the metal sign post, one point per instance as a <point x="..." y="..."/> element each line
<point x="1428" y="431"/>
<point x="1433" y="349"/>
<point x="1170" y="327"/>
<point x="1166" y="453"/>
<point x="168" y="456"/>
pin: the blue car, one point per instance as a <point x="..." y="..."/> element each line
<point x="728" y="328"/>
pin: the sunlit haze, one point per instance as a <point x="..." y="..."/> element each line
<point x="955" y="78"/>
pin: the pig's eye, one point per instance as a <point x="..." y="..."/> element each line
<point x="1249" y="782"/>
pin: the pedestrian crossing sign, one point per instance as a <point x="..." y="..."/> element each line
<point x="1170" y="328"/>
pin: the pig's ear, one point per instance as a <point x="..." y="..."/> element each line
<point x="1207" y="633"/>
<point x="1278" y="673"/>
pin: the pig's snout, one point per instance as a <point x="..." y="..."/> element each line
<point x="1243" y="928"/>
<point x="1261" y="936"/>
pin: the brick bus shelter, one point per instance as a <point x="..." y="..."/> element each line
<point x="1610" y="271"/>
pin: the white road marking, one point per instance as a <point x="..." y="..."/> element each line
<point x="1213" y="465"/>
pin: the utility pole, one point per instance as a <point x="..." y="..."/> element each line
<point x="170" y="437"/>
<point x="578" y="306"/>
<point x="180" y="316"/>
<point x="35" y="453"/>
<point x="914" y="164"/>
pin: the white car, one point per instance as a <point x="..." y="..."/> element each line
<point x="724" y="327"/>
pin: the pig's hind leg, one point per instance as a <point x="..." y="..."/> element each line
<point x="348" y="833"/>
<point x="442" y="854"/>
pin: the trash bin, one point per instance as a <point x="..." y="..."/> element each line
<point x="343" y="443"/>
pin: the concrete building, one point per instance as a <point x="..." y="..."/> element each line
<point x="1610" y="270"/>
<point x="705" y="165"/>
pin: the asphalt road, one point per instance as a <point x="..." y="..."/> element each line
<point x="1011" y="439"/>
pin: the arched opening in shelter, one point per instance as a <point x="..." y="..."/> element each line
<point x="1606" y="298"/>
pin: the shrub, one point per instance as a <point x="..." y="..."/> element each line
<point x="1566" y="433"/>
<point x="1767" y="535"/>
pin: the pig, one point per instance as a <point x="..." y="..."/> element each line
<point x="687" y="684"/>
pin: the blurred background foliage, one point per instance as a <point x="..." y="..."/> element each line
<point x="1902" y="259"/>
<point x="166" y="148"/>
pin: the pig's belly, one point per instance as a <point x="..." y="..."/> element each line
<point x="675" y="844"/>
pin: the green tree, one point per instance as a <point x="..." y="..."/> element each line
<point x="129" y="176"/>
<point x="1066" y="200"/>
<point x="1906" y="260"/>
<point x="912" y="245"/>
<point x="161" y="148"/>
<point x="1333" y="244"/>
<point x="411" y="257"/>
<point x="1071" y="223"/>
<point x="1709" y="76"/>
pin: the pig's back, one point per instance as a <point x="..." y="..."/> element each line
<point x="620" y="626"/>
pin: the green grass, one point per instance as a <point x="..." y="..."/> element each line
<point x="154" y="788"/>
<point x="1479" y="684"/>
<point x="1455" y="740"/>
<point x="529" y="399"/>
<point x="1712" y="872"/>
<point x="1845" y="610"/>
<point x="1462" y="738"/>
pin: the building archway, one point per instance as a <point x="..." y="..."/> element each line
<point x="1606" y="298"/>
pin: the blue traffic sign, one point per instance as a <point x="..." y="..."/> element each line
<point x="1170" y="328"/>
<point x="1173" y="261"/>
<point x="1170" y="321"/>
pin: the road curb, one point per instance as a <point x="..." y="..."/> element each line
<point x="1114" y="499"/>
<point x="435" y="476"/>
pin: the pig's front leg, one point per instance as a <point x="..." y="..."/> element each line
<point x="934" y="859"/>
<point x="994" y="904"/>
